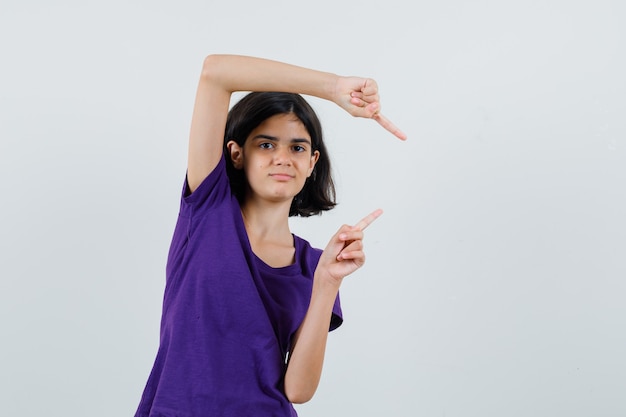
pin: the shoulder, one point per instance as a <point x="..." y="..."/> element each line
<point x="304" y="244"/>
<point x="306" y="253"/>
<point x="216" y="176"/>
<point x="214" y="191"/>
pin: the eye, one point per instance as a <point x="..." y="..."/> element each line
<point x="299" y="148"/>
<point x="266" y="145"/>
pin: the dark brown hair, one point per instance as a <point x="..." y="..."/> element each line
<point x="318" y="193"/>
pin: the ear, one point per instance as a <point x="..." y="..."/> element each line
<point x="314" y="157"/>
<point x="236" y="154"/>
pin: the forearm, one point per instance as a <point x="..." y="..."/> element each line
<point x="244" y="73"/>
<point x="307" y="356"/>
<point x="224" y="74"/>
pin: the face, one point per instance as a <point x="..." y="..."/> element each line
<point x="277" y="158"/>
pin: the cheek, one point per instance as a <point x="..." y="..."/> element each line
<point x="253" y="162"/>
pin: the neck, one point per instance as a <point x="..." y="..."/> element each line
<point x="267" y="221"/>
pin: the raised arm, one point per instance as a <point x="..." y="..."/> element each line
<point x="224" y="74"/>
<point x="221" y="76"/>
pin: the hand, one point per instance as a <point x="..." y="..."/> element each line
<point x="344" y="253"/>
<point x="359" y="97"/>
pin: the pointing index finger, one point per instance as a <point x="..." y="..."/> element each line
<point x="386" y="123"/>
<point x="369" y="219"/>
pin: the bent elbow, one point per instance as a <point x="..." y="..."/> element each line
<point x="301" y="392"/>
<point x="298" y="397"/>
<point x="211" y="66"/>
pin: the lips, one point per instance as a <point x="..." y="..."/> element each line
<point x="281" y="176"/>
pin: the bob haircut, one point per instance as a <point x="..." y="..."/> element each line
<point x="318" y="193"/>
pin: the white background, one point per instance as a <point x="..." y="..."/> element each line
<point x="495" y="282"/>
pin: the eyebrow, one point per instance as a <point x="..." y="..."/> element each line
<point x="275" y="139"/>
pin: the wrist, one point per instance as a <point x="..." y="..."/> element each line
<point x="326" y="283"/>
<point x="332" y="87"/>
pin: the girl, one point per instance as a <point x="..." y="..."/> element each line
<point x="248" y="305"/>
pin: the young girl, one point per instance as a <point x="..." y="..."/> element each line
<point x="248" y="305"/>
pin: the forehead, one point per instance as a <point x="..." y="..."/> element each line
<point x="287" y="124"/>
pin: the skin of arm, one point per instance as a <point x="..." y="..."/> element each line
<point x="342" y="256"/>
<point x="224" y="74"/>
<point x="221" y="76"/>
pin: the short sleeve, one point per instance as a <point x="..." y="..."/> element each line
<point x="212" y="190"/>
<point x="336" y="319"/>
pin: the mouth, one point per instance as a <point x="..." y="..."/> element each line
<point x="280" y="176"/>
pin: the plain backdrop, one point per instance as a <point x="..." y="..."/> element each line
<point x="495" y="281"/>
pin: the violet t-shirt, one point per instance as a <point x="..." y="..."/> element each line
<point x="228" y="317"/>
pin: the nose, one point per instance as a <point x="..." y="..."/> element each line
<point x="282" y="156"/>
